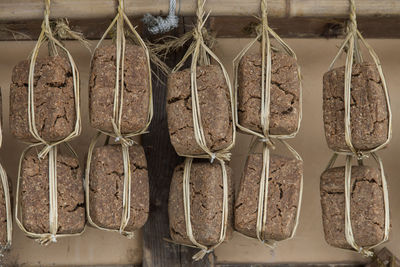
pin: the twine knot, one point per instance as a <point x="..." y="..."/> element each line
<point x="361" y="155"/>
<point x="53" y="238"/>
<point x="213" y="157"/>
<point x="199" y="255"/>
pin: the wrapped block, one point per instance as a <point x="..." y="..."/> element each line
<point x="136" y="91"/>
<point x="3" y="218"/>
<point x="206" y="194"/>
<point x="54" y="101"/>
<point x="368" y="115"/>
<point x="107" y="186"/>
<point x="283" y="196"/>
<point x="215" y="110"/>
<point x="34" y="194"/>
<point x="367" y="207"/>
<point x="284" y="91"/>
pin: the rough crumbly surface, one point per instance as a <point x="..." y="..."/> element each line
<point x="136" y="89"/>
<point x="3" y="218"/>
<point x="215" y="110"/>
<point x="285" y="93"/>
<point x="107" y="187"/>
<point x="369" y="115"/>
<point x="53" y="97"/>
<point x="206" y="194"/>
<point x="283" y="196"/>
<point x="34" y="196"/>
<point x="367" y="207"/>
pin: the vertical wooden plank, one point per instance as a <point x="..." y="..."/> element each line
<point x="161" y="160"/>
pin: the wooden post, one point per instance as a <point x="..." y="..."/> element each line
<point x="161" y="161"/>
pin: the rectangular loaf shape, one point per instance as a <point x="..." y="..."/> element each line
<point x="53" y="97"/>
<point x="34" y="196"/>
<point x="366" y="210"/>
<point x="206" y="194"/>
<point x="135" y="106"/>
<point x="285" y="93"/>
<point x="283" y="196"/>
<point x="368" y="115"/>
<point x="215" y="110"/>
<point x="107" y="185"/>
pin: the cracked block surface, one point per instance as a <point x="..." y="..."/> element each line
<point x="34" y="196"/>
<point x="215" y="110"/>
<point x="285" y="93"/>
<point x="136" y="92"/>
<point x="53" y="97"/>
<point x="368" y="115"/>
<point x="206" y="195"/>
<point x="367" y="207"/>
<point x="107" y="186"/>
<point x="3" y="217"/>
<point x="283" y="196"/>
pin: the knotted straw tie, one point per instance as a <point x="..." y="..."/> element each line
<point x="263" y="32"/>
<point x="124" y="139"/>
<point x="50" y="148"/>
<point x="200" y="52"/>
<point x="351" y="42"/>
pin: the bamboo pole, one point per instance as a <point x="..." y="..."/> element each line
<point x="17" y="10"/>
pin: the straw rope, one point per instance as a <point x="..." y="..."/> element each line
<point x="351" y="46"/>
<point x="263" y="35"/>
<point x="49" y="148"/>
<point x="351" y="43"/>
<point x="187" y="208"/>
<point x="44" y="238"/>
<point x="349" y="234"/>
<point x="201" y="55"/>
<point x="124" y="139"/>
<point x="7" y="200"/>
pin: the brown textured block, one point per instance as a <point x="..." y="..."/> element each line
<point x="215" y="110"/>
<point x="206" y="194"/>
<point x="285" y="93"/>
<point x="107" y="185"/>
<point x="53" y="97"/>
<point x="369" y="116"/>
<point x="283" y="196"/>
<point x="136" y="89"/>
<point x="34" y="196"/>
<point x="367" y="207"/>
<point x="3" y="218"/>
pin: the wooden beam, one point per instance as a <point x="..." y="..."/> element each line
<point x="17" y="10"/>
<point x="227" y="27"/>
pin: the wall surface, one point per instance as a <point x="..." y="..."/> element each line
<point x="95" y="247"/>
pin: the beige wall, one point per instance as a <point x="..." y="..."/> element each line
<point x="97" y="247"/>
